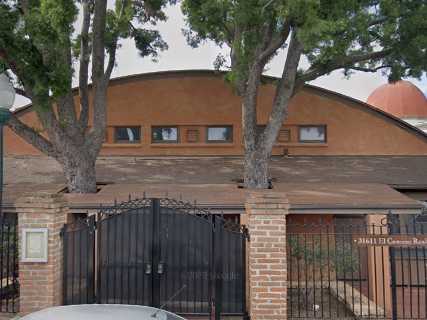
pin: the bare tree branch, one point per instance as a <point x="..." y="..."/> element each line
<point x="45" y="113"/>
<point x="249" y="119"/>
<point x="99" y="85"/>
<point x="111" y="62"/>
<point x="316" y="71"/>
<point x="98" y="47"/>
<point x="277" y="42"/>
<point x="65" y="104"/>
<point x="46" y="117"/>
<point x="267" y="35"/>
<point x="373" y="70"/>
<point x="284" y="91"/>
<point x="263" y="53"/>
<point x="84" y="67"/>
<point x="32" y="136"/>
<point x="378" y="21"/>
<point x="113" y="48"/>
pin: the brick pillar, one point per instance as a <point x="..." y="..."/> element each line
<point x="267" y="212"/>
<point x="41" y="283"/>
<point x="379" y="269"/>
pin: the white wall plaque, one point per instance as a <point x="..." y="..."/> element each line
<point x="34" y="245"/>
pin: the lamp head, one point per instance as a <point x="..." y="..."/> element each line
<point x="7" y="98"/>
<point x="7" y="93"/>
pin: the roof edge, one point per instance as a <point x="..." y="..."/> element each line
<point x="370" y="108"/>
<point x="210" y="72"/>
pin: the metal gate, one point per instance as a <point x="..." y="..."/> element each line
<point x="157" y="252"/>
<point x="9" y="285"/>
<point x="354" y="270"/>
<point x="409" y="269"/>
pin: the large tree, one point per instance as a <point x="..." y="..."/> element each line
<point x="40" y="47"/>
<point x="326" y="35"/>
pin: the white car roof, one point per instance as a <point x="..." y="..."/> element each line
<point x="102" y="312"/>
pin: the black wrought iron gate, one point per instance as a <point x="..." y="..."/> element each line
<point x="408" y="264"/>
<point x="9" y="273"/>
<point x="157" y="252"/>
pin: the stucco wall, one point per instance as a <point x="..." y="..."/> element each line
<point x="199" y="99"/>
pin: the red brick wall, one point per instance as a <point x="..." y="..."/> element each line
<point x="41" y="283"/>
<point x="267" y="255"/>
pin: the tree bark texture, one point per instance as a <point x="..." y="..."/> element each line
<point x="259" y="143"/>
<point x="65" y="136"/>
<point x="80" y="173"/>
<point x="256" y="174"/>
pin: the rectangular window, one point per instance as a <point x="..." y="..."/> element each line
<point x="127" y="134"/>
<point x="220" y="134"/>
<point x="315" y="133"/>
<point x="164" y="134"/>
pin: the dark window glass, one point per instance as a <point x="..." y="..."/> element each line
<point x="312" y="133"/>
<point x="127" y="134"/>
<point x="220" y="134"/>
<point x="165" y="134"/>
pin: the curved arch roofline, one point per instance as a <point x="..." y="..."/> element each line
<point x="209" y="73"/>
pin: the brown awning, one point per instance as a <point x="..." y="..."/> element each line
<point x="312" y="184"/>
<point x="308" y="198"/>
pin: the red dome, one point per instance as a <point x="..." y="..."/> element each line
<point x="401" y="99"/>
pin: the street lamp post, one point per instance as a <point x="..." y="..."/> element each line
<point x="7" y="98"/>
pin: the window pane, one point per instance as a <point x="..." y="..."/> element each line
<point x="128" y="134"/>
<point x="165" y="134"/>
<point x="312" y="133"/>
<point x="219" y="134"/>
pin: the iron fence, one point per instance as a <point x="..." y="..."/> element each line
<point x="9" y="284"/>
<point x="357" y="271"/>
<point x="409" y="270"/>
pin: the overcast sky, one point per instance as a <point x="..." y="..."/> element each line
<point x="182" y="57"/>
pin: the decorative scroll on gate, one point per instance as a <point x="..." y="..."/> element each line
<point x="9" y="284"/>
<point x="158" y="252"/>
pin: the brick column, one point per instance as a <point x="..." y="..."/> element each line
<point x="41" y="283"/>
<point x="267" y="212"/>
<point x="379" y="269"/>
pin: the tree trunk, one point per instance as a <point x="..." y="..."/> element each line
<point x="80" y="173"/>
<point x="256" y="170"/>
<point x="259" y="145"/>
